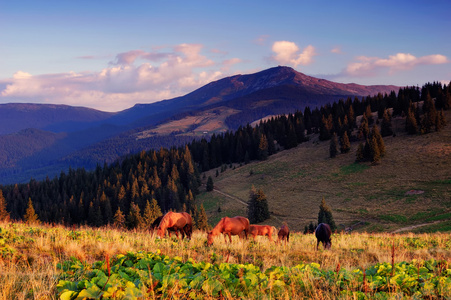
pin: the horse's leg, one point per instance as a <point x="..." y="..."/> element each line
<point x="317" y="244"/>
<point x="230" y="237"/>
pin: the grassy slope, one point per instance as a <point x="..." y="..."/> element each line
<point x="295" y="181"/>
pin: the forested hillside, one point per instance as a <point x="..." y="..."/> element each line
<point x="171" y="176"/>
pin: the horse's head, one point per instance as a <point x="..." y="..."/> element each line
<point x="209" y="238"/>
<point x="160" y="232"/>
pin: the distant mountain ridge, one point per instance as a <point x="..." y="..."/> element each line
<point x="56" y="118"/>
<point x="79" y="136"/>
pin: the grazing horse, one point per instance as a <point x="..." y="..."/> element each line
<point x="176" y="222"/>
<point x="322" y="234"/>
<point x="284" y="233"/>
<point x="229" y="226"/>
<point x="261" y="230"/>
<point x="157" y="221"/>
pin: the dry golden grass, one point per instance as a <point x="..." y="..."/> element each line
<point x="296" y="180"/>
<point x="29" y="255"/>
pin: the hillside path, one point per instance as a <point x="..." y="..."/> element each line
<point x="414" y="226"/>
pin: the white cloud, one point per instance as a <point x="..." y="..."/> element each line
<point x="132" y="78"/>
<point x="368" y="66"/>
<point x="288" y="53"/>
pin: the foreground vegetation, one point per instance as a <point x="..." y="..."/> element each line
<point x="39" y="262"/>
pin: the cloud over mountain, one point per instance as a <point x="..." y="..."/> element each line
<point x="133" y="77"/>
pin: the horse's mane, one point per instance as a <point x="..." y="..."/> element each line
<point x="165" y="220"/>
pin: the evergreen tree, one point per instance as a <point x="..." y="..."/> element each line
<point x="263" y="148"/>
<point x="379" y="140"/>
<point x="345" y="144"/>
<point x="98" y="215"/>
<point x="209" y="184"/>
<point x="119" y="219"/>
<point x="91" y="214"/>
<point x="4" y="215"/>
<point x="30" y="216"/>
<point x="134" y="219"/>
<point x="257" y="209"/>
<point x="386" y="127"/>
<point x="430" y="115"/>
<point x="364" y="129"/>
<point x="333" y="147"/>
<point x="151" y="212"/>
<point x="325" y="215"/>
<point x="375" y="154"/>
<point x="440" y="121"/>
<point x="201" y="219"/>
<point x="411" y="123"/>
<point x="360" y="154"/>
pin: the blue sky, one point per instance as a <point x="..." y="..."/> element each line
<point x="109" y="55"/>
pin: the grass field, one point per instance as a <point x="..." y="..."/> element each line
<point x="411" y="185"/>
<point x="40" y="262"/>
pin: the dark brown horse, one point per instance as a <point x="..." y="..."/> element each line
<point x="264" y="230"/>
<point x="284" y="233"/>
<point x="323" y="233"/>
<point x="176" y="222"/>
<point x="229" y="226"/>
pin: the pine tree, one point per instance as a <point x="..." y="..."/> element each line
<point x="440" y="121"/>
<point x="4" y="215"/>
<point x="379" y="140"/>
<point x="263" y="148"/>
<point x="333" y="146"/>
<point x="386" y="127"/>
<point x="363" y="128"/>
<point x="325" y="215"/>
<point x="311" y="227"/>
<point x="201" y="219"/>
<point x="360" y="154"/>
<point x="119" y="219"/>
<point x="345" y="144"/>
<point x="430" y="115"/>
<point x="375" y="155"/>
<point x="30" y="216"/>
<point x="210" y="185"/>
<point x="134" y="219"/>
<point x="411" y="123"/>
<point x="91" y="214"/>
<point x="257" y="209"/>
<point x="151" y="212"/>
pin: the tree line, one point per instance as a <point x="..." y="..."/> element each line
<point x="169" y="178"/>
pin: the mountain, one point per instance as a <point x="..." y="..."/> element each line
<point x="66" y="136"/>
<point x="56" y="118"/>
<point x="278" y="84"/>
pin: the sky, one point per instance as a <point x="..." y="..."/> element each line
<point x="110" y="55"/>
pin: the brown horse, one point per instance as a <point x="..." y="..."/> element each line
<point x="229" y="226"/>
<point x="284" y="233"/>
<point x="264" y="230"/>
<point x="156" y="223"/>
<point x="177" y="222"/>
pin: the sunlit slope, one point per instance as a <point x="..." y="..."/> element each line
<point x="411" y="185"/>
